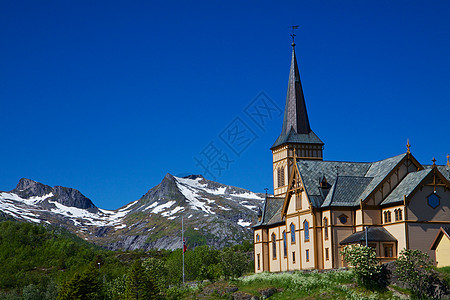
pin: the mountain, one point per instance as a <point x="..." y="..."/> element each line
<point x="214" y="214"/>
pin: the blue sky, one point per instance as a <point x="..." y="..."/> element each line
<point x="109" y="96"/>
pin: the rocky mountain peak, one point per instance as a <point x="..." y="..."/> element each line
<point x="27" y="188"/>
<point x="72" y="197"/>
<point x="194" y="177"/>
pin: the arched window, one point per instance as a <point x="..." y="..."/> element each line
<point x="398" y="214"/>
<point x="274" y="246"/>
<point x="306" y="229"/>
<point x="284" y="244"/>
<point x="387" y="216"/>
<point x="325" y="228"/>
<point x="257" y="237"/>
<point x="292" y="233"/>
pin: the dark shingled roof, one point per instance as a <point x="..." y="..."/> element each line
<point x="355" y="180"/>
<point x="445" y="170"/>
<point x="406" y="186"/>
<point x="374" y="234"/>
<point x="345" y="190"/>
<point x="296" y="128"/>
<point x="271" y="212"/>
<point x="293" y="137"/>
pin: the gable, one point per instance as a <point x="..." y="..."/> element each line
<point x="443" y="232"/>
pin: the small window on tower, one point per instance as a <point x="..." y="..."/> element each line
<point x="298" y="201"/>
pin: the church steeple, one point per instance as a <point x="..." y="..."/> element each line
<point x="297" y="140"/>
<point x="296" y="128"/>
<point x="295" y="115"/>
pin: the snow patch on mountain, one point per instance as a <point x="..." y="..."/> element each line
<point x="162" y="207"/>
<point x="242" y="223"/>
<point x="188" y="188"/>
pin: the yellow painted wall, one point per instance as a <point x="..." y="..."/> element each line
<point x="443" y="252"/>
<point x="293" y="247"/>
<point x="309" y="245"/>
<point x="398" y="230"/>
<point x="259" y="250"/>
<point x="274" y="264"/>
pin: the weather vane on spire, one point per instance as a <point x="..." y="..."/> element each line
<point x="293" y="27"/>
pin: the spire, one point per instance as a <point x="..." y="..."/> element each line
<point x="295" y="115"/>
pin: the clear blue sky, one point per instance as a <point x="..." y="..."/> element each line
<point x="109" y="96"/>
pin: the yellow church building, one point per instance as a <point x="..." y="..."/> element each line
<point x="320" y="206"/>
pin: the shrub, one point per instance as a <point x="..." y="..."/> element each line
<point x="414" y="268"/>
<point x="364" y="263"/>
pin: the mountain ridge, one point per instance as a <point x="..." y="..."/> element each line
<point x="214" y="213"/>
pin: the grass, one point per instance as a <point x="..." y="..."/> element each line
<point x="339" y="284"/>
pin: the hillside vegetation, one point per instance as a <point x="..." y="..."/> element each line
<point x="45" y="262"/>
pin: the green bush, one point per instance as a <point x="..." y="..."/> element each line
<point x="364" y="264"/>
<point x="415" y="268"/>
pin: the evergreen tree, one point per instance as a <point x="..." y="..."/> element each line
<point x="85" y="285"/>
<point x="139" y="284"/>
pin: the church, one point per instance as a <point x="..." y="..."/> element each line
<point x="320" y="206"/>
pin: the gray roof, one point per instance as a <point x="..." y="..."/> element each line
<point x="406" y="186"/>
<point x="293" y="137"/>
<point x="271" y="212"/>
<point x="379" y="170"/>
<point x="374" y="234"/>
<point x="445" y="170"/>
<point x="350" y="181"/>
<point x="345" y="190"/>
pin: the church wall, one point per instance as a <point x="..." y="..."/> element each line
<point x="419" y="210"/>
<point x="275" y="263"/>
<point x="291" y="207"/>
<point x="293" y="247"/>
<point x="358" y="217"/>
<point x="339" y="233"/>
<point x="398" y="230"/>
<point x="284" y="258"/>
<point x="327" y="241"/>
<point x="307" y="246"/>
<point x="259" y="256"/>
<point x="422" y="235"/>
<point x="372" y="216"/>
<point x="402" y="171"/>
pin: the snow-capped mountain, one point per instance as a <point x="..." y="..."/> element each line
<point x="213" y="213"/>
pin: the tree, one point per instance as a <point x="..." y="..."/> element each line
<point x="234" y="263"/>
<point x="364" y="263"/>
<point x="139" y="285"/>
<point x="85" y="285"/>
<point x="414" y="268"/>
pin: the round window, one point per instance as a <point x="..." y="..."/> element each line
<point x="343" y="219"/>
